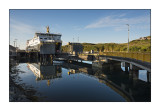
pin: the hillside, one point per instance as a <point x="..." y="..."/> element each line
<point x="138" y="45"/>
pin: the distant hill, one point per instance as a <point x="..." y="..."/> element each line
<point x="142" y="44"/>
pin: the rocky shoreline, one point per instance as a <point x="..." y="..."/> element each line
<point x="16" y="93"/>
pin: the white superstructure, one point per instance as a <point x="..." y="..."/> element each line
<point x="41" y="42"/>
<point x="44" y="38"/>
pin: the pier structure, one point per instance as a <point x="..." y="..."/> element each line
<point x="131" y="66"/>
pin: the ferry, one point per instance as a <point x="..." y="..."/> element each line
<point x="45" y="43"/>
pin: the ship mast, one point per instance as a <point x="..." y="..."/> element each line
<point x="47" y="29"/>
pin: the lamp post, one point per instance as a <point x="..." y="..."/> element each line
<point x="128" y="36"/>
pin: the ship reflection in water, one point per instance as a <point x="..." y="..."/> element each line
<point x="45" y="72"/>
<point x="77" y="82"/>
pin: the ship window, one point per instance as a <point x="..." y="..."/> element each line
<point x="45" y="38"/>
<point x="41" y="38"/>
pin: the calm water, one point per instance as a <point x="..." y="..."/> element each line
<point x="79" y="82"/>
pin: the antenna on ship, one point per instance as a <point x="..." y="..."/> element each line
<point x="47" y="29"/>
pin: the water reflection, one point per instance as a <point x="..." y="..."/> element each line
<point x="81" y="82"/>
<point x="129" y="84"/>
<point x="45" y="72"/>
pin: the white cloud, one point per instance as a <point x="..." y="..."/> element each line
<point x="18" y="27"/>
<point x="22" y="32"/>
<point x="118" y="22"/>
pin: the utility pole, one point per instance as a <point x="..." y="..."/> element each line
<point x="14" y="43"/>
<point x="128" y="36"/>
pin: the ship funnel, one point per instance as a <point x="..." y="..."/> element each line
<point x="47" y="29"/>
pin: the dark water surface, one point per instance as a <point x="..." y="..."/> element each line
<point x="78" y="82"/>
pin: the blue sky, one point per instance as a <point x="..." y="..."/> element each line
<point x="93" y="26"/>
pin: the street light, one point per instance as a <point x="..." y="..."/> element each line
<point x="128" y="36"/>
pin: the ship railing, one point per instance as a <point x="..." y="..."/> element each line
<point x="48" y="41"/>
